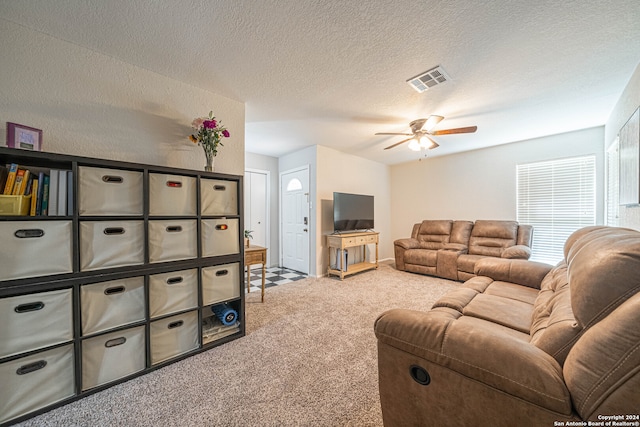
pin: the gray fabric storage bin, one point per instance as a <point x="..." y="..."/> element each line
<point x="36" y="381"/>
<point x="220" y="283"/>
<point x="171" y="240"/>
<point x="30" y="322"/>
<point x="220" y="237"/>
<point x="105" y="244"/>
<point x="172" y="195"/>
<point x="172" y="292"/>
<point x="173" y="336"/>
<point x="34" y="248"/>
<point x="218" y="197"/>
<point x="104" y="191"/>
<point x="107" y="305"/>
<point x="112" y="356"/>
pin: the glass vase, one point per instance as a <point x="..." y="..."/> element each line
<point x="209" y="166"/>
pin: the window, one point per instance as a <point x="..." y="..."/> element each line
<point x="556" y="197"/>
<point x="613" y="187"/>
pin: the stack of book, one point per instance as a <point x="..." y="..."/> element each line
<point x="50" y="191"/>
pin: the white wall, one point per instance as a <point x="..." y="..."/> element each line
<point x="628" y="103"/>
<point x="481" y="184"/>
<point x="89" y="104"/>
<point x="268" y="163"/>
<point x="346" y="173"/>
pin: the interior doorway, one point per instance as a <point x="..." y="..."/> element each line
<point x="256" y="205"/>
<point x="295" y="221"/>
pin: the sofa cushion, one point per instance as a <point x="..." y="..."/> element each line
<point x="490" y="237"/>
<point x="433" y="234"/>
<point x="604" y="271"/>
<point x="553" y="326"/>
<point x="467" y="262"/>
<point x="421" y="257"/>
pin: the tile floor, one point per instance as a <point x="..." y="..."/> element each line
<point x="275" y="276"/>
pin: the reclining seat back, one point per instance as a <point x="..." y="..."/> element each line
<point x="489" y="238"/>
<point x="602" y="369"/>
<point x="434" y="234"/>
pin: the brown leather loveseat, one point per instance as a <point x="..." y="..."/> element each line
<point x="450" y="249"/>
<point x="523" y="343"/>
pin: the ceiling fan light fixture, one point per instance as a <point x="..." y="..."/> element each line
<point x="424" y="142"/>
<point x="414" y="145"/>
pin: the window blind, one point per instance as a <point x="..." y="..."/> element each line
<point x="556" y="197"/>
<point x="613" y="181"/>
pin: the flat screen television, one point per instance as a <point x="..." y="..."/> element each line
<point x="352" y="212"/>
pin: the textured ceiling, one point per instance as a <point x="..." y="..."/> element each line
<point x="333" y="72"/>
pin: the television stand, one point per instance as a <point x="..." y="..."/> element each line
<point x="340" y="242"/>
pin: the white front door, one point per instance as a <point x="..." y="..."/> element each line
<point x="294" y="196"/>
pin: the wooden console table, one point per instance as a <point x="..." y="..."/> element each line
<point x="349" y="240"/>
<point x="255" y="255"/>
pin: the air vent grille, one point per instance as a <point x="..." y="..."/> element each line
<point x="429" y="79"/>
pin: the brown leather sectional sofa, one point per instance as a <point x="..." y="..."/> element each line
<point x="450" y="249"/>
<point x="523" y="343"/>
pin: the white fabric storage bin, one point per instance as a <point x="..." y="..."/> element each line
<point x="112" y="356"/>
<point x="218" y="197"/>
<point x="220" y="283"/>
<point x="34" y="248"/>
<point x="30" y="322"/>
<point x="173" y="336"/>
<point x="172" y="195"/>
<point x="105" y="244"/>
<point x="36" y="381"/>
<point x="171" y="240"/>
<point x="172" y="292"/>
<point x="220" y="237"/>
<point x="107" y="305"/>
<point x="109" y="191"/>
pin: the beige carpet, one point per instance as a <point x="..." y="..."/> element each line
<point x="309" y="359"/>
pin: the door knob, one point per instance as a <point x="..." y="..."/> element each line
<point x="305" y="230"/>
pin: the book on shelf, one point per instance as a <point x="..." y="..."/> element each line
<point x="4" y="173"/>
<point x="54" y="174"/>
<point x="45" y="195"/>
<point x="69" y="192"/>
<point x="18" y="185"/>
<point x="34" y="197"/>
<point x="40" y="193"/>
<point x="11" y="179"/>
<point x="62" y="193"/>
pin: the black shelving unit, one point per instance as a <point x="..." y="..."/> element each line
<point x="216" y="278"/>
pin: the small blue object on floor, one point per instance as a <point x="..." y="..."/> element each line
<point x="225" y="314"/>
<point x="274" y="276"/>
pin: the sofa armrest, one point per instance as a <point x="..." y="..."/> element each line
<point x="407" y="243"/>
<point x="518" y="271"/>
<point x="516" y="252"/>
<point x="455" y="247"/>
<point x="459" y="343"/>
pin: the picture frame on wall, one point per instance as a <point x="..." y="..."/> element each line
<point x="24" y="137"/>
<point x="629" y="169"/>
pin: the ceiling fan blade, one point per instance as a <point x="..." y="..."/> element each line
<point x="433" y="143"/>
<point x="416" y="125"/>
<point x="392" y="133"/>
<point x="398" y="143"/>
<point x="432" y="121"/>
<point x="469" y="129"/>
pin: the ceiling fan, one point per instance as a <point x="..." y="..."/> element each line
<point x="420" y="131"/>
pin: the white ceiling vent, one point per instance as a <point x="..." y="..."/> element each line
<point x="429" y="79"/>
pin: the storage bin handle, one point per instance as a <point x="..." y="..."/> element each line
<point x="111" y="231"/>
<point x="114" y="290"/>
<point x="174" y="325"/>
<point x="174" y="228"/>
<point x="174" y="280"/>
<point x="115" y="342"/>
<point x="222" y="273"/>
<point x="112" y="179"/>
<point x="174" y="184"/>
<point x="32" y="306"/>
<point x="219" y="187"/>
<point x="222" y="227"/>
<point x="29" y="233"/>
<point x="31" y="367"/>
